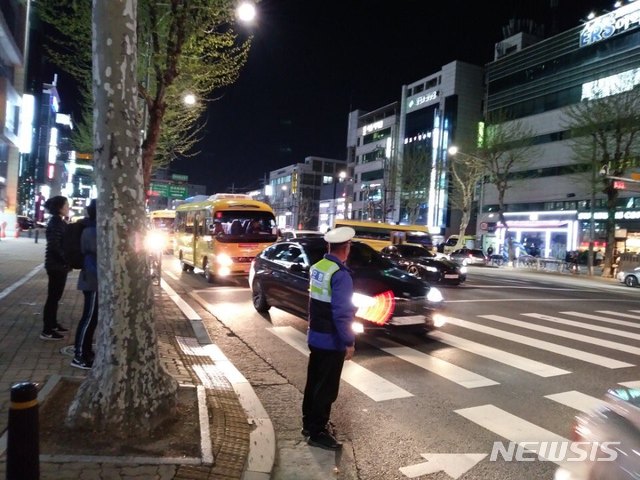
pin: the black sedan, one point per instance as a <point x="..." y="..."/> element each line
<point x="420" y="262"/>
<point x="387" y="298"/>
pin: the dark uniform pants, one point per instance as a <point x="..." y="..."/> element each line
<point x="321" y="390"/>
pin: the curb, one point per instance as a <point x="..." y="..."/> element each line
<point x="262" y="439"/>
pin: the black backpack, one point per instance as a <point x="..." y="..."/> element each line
<point x="72" y="245"/>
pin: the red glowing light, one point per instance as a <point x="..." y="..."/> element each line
<point x="380" y="310"/>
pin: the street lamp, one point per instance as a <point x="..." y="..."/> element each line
<point x="246" y="12"/>
<point x="189" y="99"/>
<point x="341" y="176"/>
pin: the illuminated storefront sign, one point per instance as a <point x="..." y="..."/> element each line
<point x="427" y="97"/>
<point x="606" y="26"/>
<point x="620" y="215"/>
<point x="372" y="127"/>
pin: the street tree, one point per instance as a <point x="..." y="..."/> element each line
<point x="605" y="133"/>
<point x="127" y="392"/>
<point x="506" y="149"/>
<point x="414" y="181"/>
<point x="184" y="46"/>
<point x="465" y="171"/>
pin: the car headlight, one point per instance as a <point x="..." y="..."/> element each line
<point x="463" y="269"/>
<point x="434" y="295"/>
<point x="224" y="260"/>
<point x="431" y="269"/>
<point x="155" y="241"/>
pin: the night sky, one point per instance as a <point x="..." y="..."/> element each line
<point x="313" y="61"/>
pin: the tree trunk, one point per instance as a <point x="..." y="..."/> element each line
<point x="464" y="222"/>
<point x="127" y="393"/>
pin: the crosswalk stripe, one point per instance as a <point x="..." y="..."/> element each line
<point x="586" y="326"/>
<point x="542" y="345"/>
<point x="633" y="384"/>
<point x="577" y="400"/>
<point x="603" y="319"/>
<point x="625" y="315"/>
<point x="440" y="367"/>
<point x="509" y="426"/>
<point x="565" y="334"/>
<point x="510" y="359"/>
<point x="372" y="385"/>
<point x="527" y="435"/>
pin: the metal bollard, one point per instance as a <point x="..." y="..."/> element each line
<point x="37" y="234"/>
<point x="23" y="440"/>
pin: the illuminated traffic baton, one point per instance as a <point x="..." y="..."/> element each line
<point x="23" y="442"/>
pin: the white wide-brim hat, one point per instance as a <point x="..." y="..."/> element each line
<point x="339" y="235"/>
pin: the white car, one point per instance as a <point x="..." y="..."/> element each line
<point x="611" y="435"/>
<point x="630" y="278"/>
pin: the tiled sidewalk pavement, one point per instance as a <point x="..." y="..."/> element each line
<point x="24" y="357"/>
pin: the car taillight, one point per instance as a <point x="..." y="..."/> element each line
<point x="377" y="309"/>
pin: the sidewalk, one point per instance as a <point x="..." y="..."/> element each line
<point x="185" y="351"/>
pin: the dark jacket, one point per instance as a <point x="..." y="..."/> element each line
<point x="54" y="258"/>
<point x="88" y="278"/>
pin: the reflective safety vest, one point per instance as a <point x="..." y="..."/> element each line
<point x="320" y="315"/>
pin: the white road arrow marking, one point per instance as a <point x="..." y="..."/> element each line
<point x="453" y="464"/>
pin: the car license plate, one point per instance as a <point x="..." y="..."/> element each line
<point x="410" y="320"/>
<point x="450" y="275"/>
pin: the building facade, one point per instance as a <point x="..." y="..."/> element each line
<point x="294" y="192"/>
<point x="13" y="19"/>
<point x="438" y="111"/>
<point x="372" y="139"/>
<point x="533" y="83"/>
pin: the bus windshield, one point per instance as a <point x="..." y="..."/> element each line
<point x="164" y="224"/>
<point x="233" y="226"/>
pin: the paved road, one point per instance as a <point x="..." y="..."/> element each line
<point x="522" y="354"/>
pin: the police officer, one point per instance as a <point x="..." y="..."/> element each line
<point x="330" y="337"/>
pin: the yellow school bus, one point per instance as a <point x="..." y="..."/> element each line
<point x="222" y="234"/>
<point x="161" y="223"/>
<point x="380" y="235"/>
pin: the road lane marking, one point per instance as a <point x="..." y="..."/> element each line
<point x="513" y="428"/>
<point x="625" y="315"/>
<point x="518" y="300"/>
<point x="633" y="384"/>
<point x="372" y="385"/>
<point x="564" y="334"/>
<point x="586" y="326"/>
<point x="603" y="319"/>
<point x="577" y="400"/>
<point x="510" y="359"/>
<point x="541" y="344"/>
<point x="432" y="364"/>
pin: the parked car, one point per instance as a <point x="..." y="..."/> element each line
<point x="387" y="298"/>
<point x="610" y="435"/>
<point x="469" y="256"/>
<point x="631" y="278"/>
<point x="420" y="262"/>
<point x="291" y="234"/>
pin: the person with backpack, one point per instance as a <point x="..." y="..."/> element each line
<point x="56" y="265"/>
<point x="88" y="283"/>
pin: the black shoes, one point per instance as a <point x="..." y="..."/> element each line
<point x="324" y="440"/>
<point x="60" y="329"/>
<point x="305" y="432"/>
<point x="52" y="335"/>
<point x="80" y="363"/>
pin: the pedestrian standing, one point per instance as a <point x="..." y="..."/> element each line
<point x="88" y="283"/>
<point x="56" y="266"/>
<point x="330" y="336"/>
